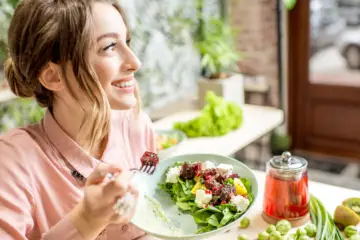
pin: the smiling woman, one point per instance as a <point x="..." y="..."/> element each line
<point x="74" y="57"/>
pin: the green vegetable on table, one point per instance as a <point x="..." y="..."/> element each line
<point x="355" y="237"/>
<point x="291" y="237"/>
<point x="354" y="204"/>
<point x="275" y="236"/>
<point x="244" y="223"/>
<point x="310" y="230"/>
<point x="217" y="118"/>
<point x="263" y="236"/>
<point x="326" y="228"/>
<point x="303" y="237"/>
<point x="348" y="213"/>
<point x="350" y="231"/>
<point x="301" y="232"/>
<point x="243" y="237"/>
<point x="271" y="228"/>
<point x="283" y="226"/>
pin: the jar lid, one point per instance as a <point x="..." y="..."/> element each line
<point x="288" y="162"/>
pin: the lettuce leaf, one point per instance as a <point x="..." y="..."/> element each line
<point x="217" y="118"/>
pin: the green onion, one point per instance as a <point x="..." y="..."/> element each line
<point x="326" y="228"/>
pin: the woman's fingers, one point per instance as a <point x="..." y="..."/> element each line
<point x="117" y="187"/>
<point x="100" y="173"/>
<point x="115" y="202"/>
<point x="116" y="218"/>
<point x="129" y="209"/>
<point x="133" y="191"/>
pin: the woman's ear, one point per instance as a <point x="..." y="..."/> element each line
<point x="50" y="77"/>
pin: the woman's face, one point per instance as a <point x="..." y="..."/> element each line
<point x="112" y="58"/>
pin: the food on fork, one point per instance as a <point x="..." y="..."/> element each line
<point x="149" y="158"/>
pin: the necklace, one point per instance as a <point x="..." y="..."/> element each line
<point x="65" y="164"/>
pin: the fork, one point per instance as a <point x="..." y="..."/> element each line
<point x="149" y="160"/>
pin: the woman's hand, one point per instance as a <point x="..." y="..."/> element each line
<point x="96" y="210"/>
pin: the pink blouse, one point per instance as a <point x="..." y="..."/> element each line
<point x="37" y="190"/>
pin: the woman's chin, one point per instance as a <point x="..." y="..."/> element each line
<point x="125" y="103"/>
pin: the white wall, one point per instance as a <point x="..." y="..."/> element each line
<point x="285" y="67"/>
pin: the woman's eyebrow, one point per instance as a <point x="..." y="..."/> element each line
<point x="106" y="35"/>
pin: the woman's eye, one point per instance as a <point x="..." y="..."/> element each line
<point x="110" y="47"/>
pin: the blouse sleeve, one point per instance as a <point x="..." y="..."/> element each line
<point x="17" y="201"/>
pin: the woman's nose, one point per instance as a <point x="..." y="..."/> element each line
<point x="130" y="62"/>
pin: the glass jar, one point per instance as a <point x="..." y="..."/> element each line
<point x="286" y="194"/>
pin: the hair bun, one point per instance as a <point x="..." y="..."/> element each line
<point x="17" y="81"/>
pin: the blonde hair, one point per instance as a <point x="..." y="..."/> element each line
<point x="59" y="31"/>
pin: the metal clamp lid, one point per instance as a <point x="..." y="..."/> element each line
<point x="288" y="162"/>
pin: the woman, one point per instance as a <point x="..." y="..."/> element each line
<point x="74" y="57"/>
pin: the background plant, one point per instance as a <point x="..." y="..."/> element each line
<point x="215" y="41"/>
<point x="19" y="112"/>
<point x="289" y="4"/>
<point x="6" y="10"/>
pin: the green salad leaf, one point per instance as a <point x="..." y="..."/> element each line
<point x="247" y="185"/>
<point x="229" y="181"/>
<point x="213" y="220"/>
<point x="186" y="206"/>
<point x="217" y="118"/>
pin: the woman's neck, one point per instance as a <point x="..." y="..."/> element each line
<point x="70" y="121"/>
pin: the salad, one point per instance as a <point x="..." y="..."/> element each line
<point x="213" y="195"/>
<point x="164" y="141"/>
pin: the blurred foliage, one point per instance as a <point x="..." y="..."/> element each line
<point x="279" y="143"/>
<point x="289" y="4"/>
<point x="218" y="49"/>
<point x="162" y="38"/>
<point x="215" y="41"/>
<point x="6" y="10"/>
<point x="19" y="112"/>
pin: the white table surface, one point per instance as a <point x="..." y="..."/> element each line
<point x="330" y="196"/>
<point x="258" y="121"/>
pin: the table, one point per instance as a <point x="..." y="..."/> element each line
<point x="330" y="196"/>
<point x="258" y="121"/>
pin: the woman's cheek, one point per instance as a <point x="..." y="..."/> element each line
<point x="106" y="72"/>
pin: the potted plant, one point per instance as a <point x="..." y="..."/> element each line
<point x="219" y="59"/>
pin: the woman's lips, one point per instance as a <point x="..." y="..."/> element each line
<point x="125" y="85"/>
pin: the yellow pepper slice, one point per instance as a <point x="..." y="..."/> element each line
<point x="239" y="187"/>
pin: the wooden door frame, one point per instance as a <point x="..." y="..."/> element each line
<point x="298" y="27"/>
<point x="301" y="92"/>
